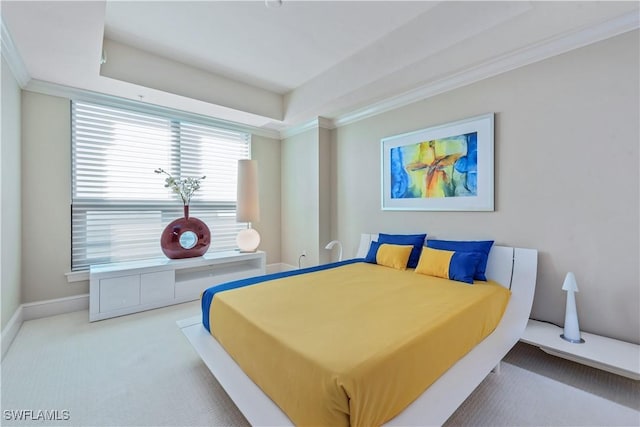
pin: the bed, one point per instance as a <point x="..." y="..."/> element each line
<point x="514" y="268"/>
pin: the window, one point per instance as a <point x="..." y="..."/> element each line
<point x="120" y="206"/>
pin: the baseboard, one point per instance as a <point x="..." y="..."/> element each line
<point x="287" y="267"/>
<point x="273" y="268"/>
<point x="52" y="307"/>
<point x="39" y="309"/>
<point x="278" y="267"/>
<point x="11" y="330"/>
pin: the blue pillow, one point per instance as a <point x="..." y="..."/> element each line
<point x="417" y="240"/>
<point x="481" y="247"/>
<point x="463" y="266"/>
<point x="373" y="251"/>
<point x="459" y="266"/>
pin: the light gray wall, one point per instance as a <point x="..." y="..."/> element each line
<point x="10" y="192"/>
<point x="46" y="175"/>
<point x="324" y="196"/>
<point x="566" y="156"/>
<point x="300" y="198"/>
<point x="267" y="152"/>
<point x="46" y="198"/>
<point x="306" y="197"/>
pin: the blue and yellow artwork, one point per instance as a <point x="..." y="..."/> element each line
<point x="446" y="167"/>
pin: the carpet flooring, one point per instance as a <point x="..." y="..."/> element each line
<point x="139" y="370"/>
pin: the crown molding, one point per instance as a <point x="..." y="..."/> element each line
<point x="54" y="89"/>
<point x="318" y="122"/>
<point x="507" y="62"/>
<point x="504" y="63"/>
<point x="12" y="56"/>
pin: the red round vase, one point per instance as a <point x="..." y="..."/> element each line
<point x="185" y="237"/>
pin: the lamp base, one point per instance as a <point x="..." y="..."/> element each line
<point x="248" y="240"/>
<point x="580" y="341"/>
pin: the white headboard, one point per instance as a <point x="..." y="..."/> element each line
<point x="499" y="265"/>
<point x="365" y="242"/>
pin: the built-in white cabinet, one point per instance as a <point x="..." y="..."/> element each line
<point x="119" y="292"/>
<point x="156" y="287"/>
<point x="128" y="287"/>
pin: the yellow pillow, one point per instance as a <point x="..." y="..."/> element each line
<point x="394" y="256"/>
<point x="434" y="262"/>
<point x="459" y="266"/>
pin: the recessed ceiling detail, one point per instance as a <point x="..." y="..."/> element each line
<point x="280" y="68"/>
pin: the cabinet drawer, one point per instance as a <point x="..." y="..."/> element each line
<point x="119" y="292"/>
<point x="156" y="286"/>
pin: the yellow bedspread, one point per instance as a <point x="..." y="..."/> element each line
<point x="352" y="345"/>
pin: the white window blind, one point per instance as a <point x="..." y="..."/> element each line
<point x="120" y="206"/>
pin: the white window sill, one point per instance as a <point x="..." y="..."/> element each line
<point x="77" y="276"/>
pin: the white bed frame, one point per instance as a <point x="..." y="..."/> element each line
<point x="512" y="267"/>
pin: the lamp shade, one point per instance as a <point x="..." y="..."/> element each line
<point x="570" y="283"/>
<point x="333" y="243"/>
<point x="247" y="208"/>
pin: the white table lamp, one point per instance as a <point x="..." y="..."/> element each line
<point x="571" y="326"/>
<point x="333" y="243"/>
<point x="248" y="208"/>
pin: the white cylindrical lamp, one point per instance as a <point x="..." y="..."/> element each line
<point x="248" y="207"/>
<point x="571" y="325"/>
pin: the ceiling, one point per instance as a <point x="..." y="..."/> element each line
<point x="279" y="68"/>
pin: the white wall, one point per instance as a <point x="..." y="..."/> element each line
<point x="300" y="198"/>
<point x="306" y="197"/>
<point x="267" y="152"/>
<point x="566" y="156"/>
<point x="324" y="195"/>
<point x="10" y="211"/>
<point x="46" y="198"/>
<point x="46" y="175"/>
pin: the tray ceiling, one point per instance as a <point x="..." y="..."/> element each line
<point x="280" y="67"/>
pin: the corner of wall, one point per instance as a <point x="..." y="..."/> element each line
<point x="11" y="196"/>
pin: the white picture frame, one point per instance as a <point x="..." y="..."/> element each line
<point x="448" y="167"/>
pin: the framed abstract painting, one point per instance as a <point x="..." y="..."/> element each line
<point x="441" y="168"/>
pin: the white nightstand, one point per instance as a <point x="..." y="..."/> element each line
<point x="604" y="353"/>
